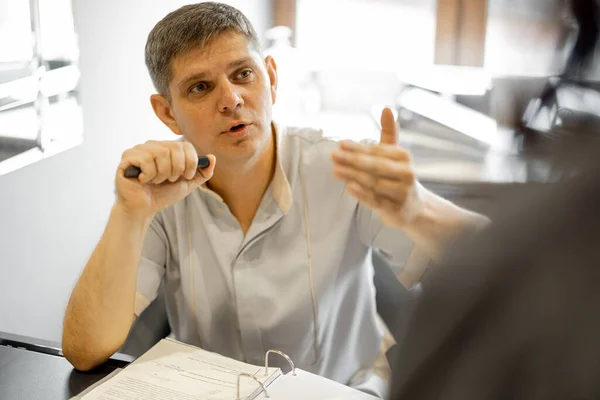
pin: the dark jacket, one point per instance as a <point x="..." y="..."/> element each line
<point x="514" y="313"/>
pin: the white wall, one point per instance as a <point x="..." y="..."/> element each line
<point x="53" y="212"/>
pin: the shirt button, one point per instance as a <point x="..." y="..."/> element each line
<point x="221" y="211"/>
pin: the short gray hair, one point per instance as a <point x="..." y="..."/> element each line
<point x="190" y="26"/>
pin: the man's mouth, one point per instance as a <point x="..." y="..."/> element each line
<point x="238" y="127"/>
<point x="238" y="130"/>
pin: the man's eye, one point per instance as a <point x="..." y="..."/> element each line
<point x="245" y="74"/>
<point x="199" y="88"/>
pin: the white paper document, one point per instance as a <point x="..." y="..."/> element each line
<point x="176" y="371"/>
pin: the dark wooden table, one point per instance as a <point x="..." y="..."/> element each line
<point x="32" y="369"/>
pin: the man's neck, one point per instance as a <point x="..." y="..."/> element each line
<point x="243" y="187"/>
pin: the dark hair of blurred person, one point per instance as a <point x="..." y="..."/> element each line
<point x="587" y="16"/>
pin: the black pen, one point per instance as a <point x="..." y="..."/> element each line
<point x="133" y="172"/>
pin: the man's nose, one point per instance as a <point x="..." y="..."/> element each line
<point x="229" y="99"/>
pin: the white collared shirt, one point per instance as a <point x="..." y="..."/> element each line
<point x="243" y="295"/>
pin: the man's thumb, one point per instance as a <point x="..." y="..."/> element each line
<point x="204" y="174"/>
<point x="389" y="129"/>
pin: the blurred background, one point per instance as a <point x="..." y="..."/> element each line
<point x="482" y="89"/>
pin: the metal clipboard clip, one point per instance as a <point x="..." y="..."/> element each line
<point x="264" y="390"/>
<point x="282" y="354"/>
<point x="252" y="377"/>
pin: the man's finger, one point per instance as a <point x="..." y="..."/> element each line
<point x="363" y="195"/>
<point x="207" y="173"/>
<point x="369" y="199"/>
<point x="201" y="176"/>
<point x="380" y="167"/>
<point x="389" y="129"/>
<point x="394" y="190"/>
<point x="392" y="152"/>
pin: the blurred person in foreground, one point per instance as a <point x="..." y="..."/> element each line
<point x="514" y="312"/>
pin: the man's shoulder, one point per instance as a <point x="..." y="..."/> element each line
<point x="318" y="136"/>
<point x="309" y="139"/>
<point x="307" y="134"/>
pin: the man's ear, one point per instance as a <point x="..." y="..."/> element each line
<point x="162" y="109"/>
<point x="272" y="72"/>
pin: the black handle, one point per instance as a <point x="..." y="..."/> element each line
<point x="133" y="172"/>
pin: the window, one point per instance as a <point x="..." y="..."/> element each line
<point x="366" y="35"/>
<point x="39" y="77"/>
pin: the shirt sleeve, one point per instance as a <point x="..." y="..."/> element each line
<point x="409" y="262"/>
<point x="151" y="269"/>
<point x="374" y="233"/>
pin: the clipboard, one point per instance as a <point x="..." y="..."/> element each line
<point x="172" y="369"/>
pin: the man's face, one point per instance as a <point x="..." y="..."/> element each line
<point x="221" y="98"/>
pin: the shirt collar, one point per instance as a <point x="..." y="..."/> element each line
<point x="280" y="186"/>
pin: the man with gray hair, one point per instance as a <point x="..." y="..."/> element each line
<point x="267" y="247"/>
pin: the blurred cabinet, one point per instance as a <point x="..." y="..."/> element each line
<point x="461" y="27"/>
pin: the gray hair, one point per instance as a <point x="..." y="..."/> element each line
<point x="190" y="26"/>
